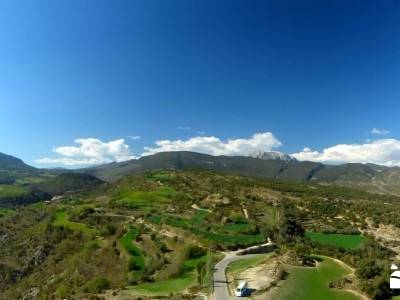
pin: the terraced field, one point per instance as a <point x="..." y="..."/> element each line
<point x="11" y="191"/>
<point x="145" y="200"/>
<point x="239" y="234"/>
<point x="61" y="218"/>
<point x="182" y="282"/>
<point x="5" y="212"/>
<point x="347" y="241"/>
<point x="136" y="262"/>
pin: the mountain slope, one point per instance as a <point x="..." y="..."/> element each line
<point x="184" y="160"/>
<point x="69" y="182"/>
<point x="265" y="168"/>
<point x="8" y="162"/>
<point x="367" y="176"/>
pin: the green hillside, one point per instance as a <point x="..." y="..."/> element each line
<point x="8" y="162"/>
<point x="158" y="233"/>
<point x="365" y="176"/>
<point x="69" y="182"/>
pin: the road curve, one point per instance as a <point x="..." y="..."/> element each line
<point x="220" y="282"/>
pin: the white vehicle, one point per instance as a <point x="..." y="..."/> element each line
<point x="241" y="289"/>
<point x="395" y="277"/>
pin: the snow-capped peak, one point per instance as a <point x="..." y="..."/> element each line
<point x="276" y="155"/>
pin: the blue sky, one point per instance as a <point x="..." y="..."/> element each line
<point x="314" y="74"/>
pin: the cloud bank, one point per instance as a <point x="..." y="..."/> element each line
<point x="265" y="141"/>
<point x="379" y="131"/>
<point x="134" y="137"/>
<point x="382" y="152"/>
<point x="90" y="151"/>
<point x="93" y="151"/>
<point x="184" y="128"/>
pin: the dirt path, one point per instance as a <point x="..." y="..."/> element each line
<point x="245" y="212"/>
<point x="196" y="207"/>
<point x="364" y="297"/>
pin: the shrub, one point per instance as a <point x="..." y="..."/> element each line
<point x="134" y="265"/>
<point x="195" y="251"/>
<point x="97" y="285"/>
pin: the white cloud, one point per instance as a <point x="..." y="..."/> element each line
<point x="379" y="131"/>
<point x="134" y="137"/>
<point x="212" y="145"/>
<point x="185" y="128"/>
<point x="89" y="151"/>
<point x="382" y="152"/>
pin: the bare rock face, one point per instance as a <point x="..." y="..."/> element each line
<point x="274" y="269"/>
<point x="214" y="200"/>
<point x="274" y="155"/>
<point x="3" y="237"/>
<point x="40" y="255"/>
<point x="31" y="294"/>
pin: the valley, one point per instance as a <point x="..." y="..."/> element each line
<point x="165" y="233"/>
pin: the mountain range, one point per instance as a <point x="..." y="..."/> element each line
<point x="269" y="165"/>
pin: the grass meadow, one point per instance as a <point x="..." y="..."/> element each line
<point x="304" y="283"/>
<point x="347" y="241"/>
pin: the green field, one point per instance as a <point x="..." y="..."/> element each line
<point x="347" y="241"/>
<point x="166" y="287"/>
<point x="271" y="215"/>
<point x="8" y="191"/>
<point x="305" y="283"/>
<point x="234" y="240"/>
<point x="61" y="218"/>
<point x="6" y="212"/>
<point x="175" y="285"/>
<point x="227" y="234"/>
<point x="145" y="200"/>
<point x="136" y="263"/>
<point x="247" y="262"/>
<point x="159" y="176"/>
<point x="236" y="228"/>
<point x="30" y="180"/>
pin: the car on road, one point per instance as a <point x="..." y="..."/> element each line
<point x="241" y="289"/>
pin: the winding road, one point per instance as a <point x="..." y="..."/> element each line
<point x="221" y="291"/>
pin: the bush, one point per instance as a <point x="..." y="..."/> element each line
<point x="109" y="230"/>
<point x="134" y="265"/>
<point x="97" y="285"/>
<point x="62" y="291"/>
<point x="195" y="251"/>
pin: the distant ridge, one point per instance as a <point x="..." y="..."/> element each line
<point x="366" y="176"/>
<point x="269" y="165"/>
<point x="8" y="162"/>
<point x="69" y="182"/>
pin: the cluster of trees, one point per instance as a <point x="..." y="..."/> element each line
<point x="5" y="178"/>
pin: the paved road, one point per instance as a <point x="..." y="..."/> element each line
<point x="220" y="282"/>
